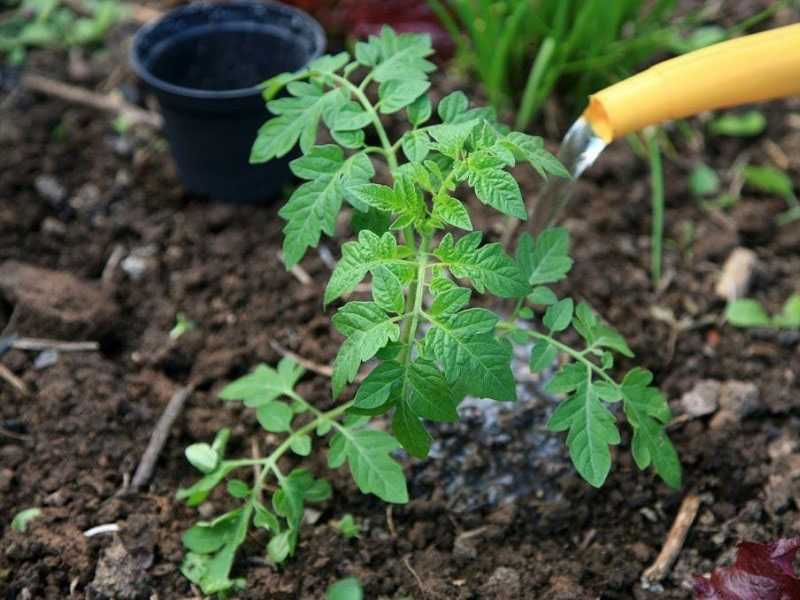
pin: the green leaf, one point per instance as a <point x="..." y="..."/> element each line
<point x="747" y="313"/>
<point x="416" y="145"/>
<point x="410" y="431"/>
<point x="452" y="105"/>
<point x="368" y="453"/>
<point x="450" y="301"/>
<point x="747" y="124"/>
<point x="368" y="329"/>
<point x="567" y="379"/>
<point x="451" y="211"/>
<point x="348" y="527"/>
<point x="704" y="181"/>
<point x="545" y="260"/>
<point x="498" y="189"/>
<point x="403" y="56"/>
<point x="22" y="518"/>
<point x="542" y="295"/>
<point x="387" y="290"/>
<point x="265" y="518"/>
<point x="426" y="392"/>
<point x="301" y="445"/>
<point x="790" y="315"/>
<point x="361" y="257"/>
<point x="419" y="111"/>
<point x="558" y="315"/>
<point x="297" y="118"/>
<point x="451" y="137"/>
<point x="345" y="589"/>
<point x="264" y="384"/>
<point x="348" y="139"/>
<point x="542" y="356"/>
<point x="382" y="382"/>
<point x="465" y="345"/>
<point x="488" y="267"/>
<point x="275" y="417"/>
<point x="769" y="181"/>
<point x="592" y="428"/>
<point x="647" y="412"/>
<point x="329" y="63"/>
<point x="368" y="53"/>
<point x="238" y="489"/>
<point x="530" y="148"/>
<point x="202" y="457"/>
<point x="280" y="546"/>
<point x="313" y="207"/>
<point x="347" y="117"/>
<point x="395" y="94"/>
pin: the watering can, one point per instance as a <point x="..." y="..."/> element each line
<point x="753" y="68"/>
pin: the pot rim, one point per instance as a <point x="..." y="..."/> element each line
<point x="143" y="72"/>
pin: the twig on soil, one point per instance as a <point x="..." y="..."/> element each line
<point x="674" y="543"/>
<point x="159" y="437"/>
<point x="15" y="381"/>
<point x="422" y="587"/>
<point x="107" y="528"/>
<point x="299" y="272"/>
<point x="40" y="344"/>
<point x="117" y="254"/>
<point x="113" y="103"/>
<point x="13" y="434"/>
<point x="390" y="521"/>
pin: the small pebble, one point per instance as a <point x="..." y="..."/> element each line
<point x="49" y="188"/>
<point x="45" y="359"/>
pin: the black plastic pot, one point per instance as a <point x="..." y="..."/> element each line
<point x="204" y="62"/>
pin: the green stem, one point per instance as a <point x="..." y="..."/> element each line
<point x="657" y="200"/>
<point x="415" y="296"/>
<point x="270" y="463"/>
<point x="575" y="354"/>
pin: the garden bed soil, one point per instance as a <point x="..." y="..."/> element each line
<point x="74" y="193"/>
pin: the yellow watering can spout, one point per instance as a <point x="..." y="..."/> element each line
<point x="753" y="68"/>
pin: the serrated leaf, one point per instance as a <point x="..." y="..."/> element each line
<point x="368" y="53"/>
<point x="452" y="105"/>
<point x="403" y="56"/>
<point x="567" y="379"/>
<point x="329" y="63"/>
<point x="592" y="429"/>
<point x="353" y="139"/>
<point x="531" y="149"/>
<point x="361" y="257"/>
<point x="347" y="117"/>
<point x="382" y="382"/>
<point x="425" y="391"/>
<point x="451" y="137"/>
<point x="297" y="118"/>
<point x="542" y="356"/>
<point x="395" y="94"/>
<point x="488" y="267"/>
<point x="559" y="315"/>
<point x="465" y="345"/>
<point x="368" y="329"/>
<point x="451" y="211"/>
<point x="387" y="290"/>
<point x="498" y="188"/>
<point x="275" y="417"/>
<point x="313" y="207"/>
<point x="410" y="432"/>
<point x="450" y="301"/>
<point x="368" y="453"/>
<point x="647" y="412"/>
<point x="238" y="488"/>
<point x="549" y="261"/>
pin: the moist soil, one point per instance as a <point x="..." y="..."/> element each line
<point x="78" y="197"/>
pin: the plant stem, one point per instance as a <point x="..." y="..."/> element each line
<point x="270" y="463"/>
<point x="575" y="354"/>
<point x="657" y="200"/>
<point x="414" y="298"/>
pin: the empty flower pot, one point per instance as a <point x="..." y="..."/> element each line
<point x="205" y="64"/>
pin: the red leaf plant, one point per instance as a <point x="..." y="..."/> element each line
<point x="760" y="572"/>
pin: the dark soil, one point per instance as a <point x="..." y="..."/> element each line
<point x="73" y="193"/>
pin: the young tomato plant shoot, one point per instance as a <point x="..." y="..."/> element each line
<point x="416" y="243"/>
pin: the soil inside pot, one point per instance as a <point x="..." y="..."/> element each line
<point x="226" y="56"/>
